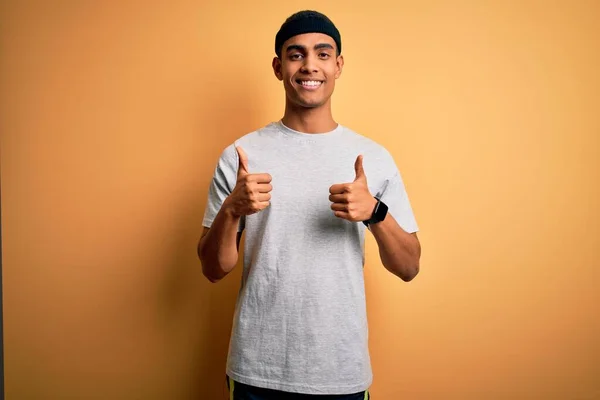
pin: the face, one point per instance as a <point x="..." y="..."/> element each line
<point x="308" y="68"/>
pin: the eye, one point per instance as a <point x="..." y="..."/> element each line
<point x="296" y="56"/>
<point x="324" y="55"/>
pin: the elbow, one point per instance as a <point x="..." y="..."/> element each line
<point x="410" y="273"/>
<point x="213" y="271"/>
<point x="405" y="271"/>
<point x="412" y="269"/>
<point x="404" y="263"/>
<point x="409" y="268"/>
<point x="204" y="263"/>
<point x="209" y="273"/>
<point x="212" y="279"/>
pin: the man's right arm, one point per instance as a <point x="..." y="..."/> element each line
<point x="218" y="248"/>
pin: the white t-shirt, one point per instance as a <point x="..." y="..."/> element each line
<point x="300" y="322"/>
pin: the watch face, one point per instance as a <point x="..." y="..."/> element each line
<point x="381" y="211"/>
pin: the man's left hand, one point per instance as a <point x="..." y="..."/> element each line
<point x="353" y="201"/>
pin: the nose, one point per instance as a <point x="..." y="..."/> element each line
<point x="310" y="64"/>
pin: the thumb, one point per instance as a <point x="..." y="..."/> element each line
<point x="358" y="168"/>
<point x="243" y="158"/>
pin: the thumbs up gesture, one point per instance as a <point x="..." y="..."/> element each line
<point x="353" y="201"/>
<point x="252" y="191"/>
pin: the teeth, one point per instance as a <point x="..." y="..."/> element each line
<point x="311" y="83"/>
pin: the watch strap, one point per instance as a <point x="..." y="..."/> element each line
<point x="379" y="213"/>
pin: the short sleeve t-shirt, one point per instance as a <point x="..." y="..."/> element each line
<point x="300" y="322"/>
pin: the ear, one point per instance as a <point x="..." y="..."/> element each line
<point x="339" y="65"/>
<point x="277" y="68"/>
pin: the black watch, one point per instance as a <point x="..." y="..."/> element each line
<point x="379" y="213"/>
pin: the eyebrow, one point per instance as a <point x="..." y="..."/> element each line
<point x="303" y="48"/>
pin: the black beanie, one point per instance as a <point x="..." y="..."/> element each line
<point x="306" y="22"/>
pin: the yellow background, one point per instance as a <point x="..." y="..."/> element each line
<point x="113" y="115"/>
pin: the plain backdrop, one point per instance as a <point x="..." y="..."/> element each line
<point x="113" y="115"/>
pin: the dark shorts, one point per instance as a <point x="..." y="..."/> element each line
<point x="240" y="391"/>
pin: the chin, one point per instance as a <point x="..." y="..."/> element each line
<point x="309" y="103"/>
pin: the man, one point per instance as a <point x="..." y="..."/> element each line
<point x="304" y="189"/>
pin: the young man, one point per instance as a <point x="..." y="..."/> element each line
<point x="304" y="189"/>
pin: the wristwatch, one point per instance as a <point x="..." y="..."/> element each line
<point x="379" y="213"/>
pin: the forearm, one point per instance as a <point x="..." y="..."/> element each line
<point x="217" y="250"/>
<point x="399" y="250"/>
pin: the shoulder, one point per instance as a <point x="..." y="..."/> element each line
<point x="371" y="149"/>
<point x="258" y="136"/>
<point x="247" y="141"/>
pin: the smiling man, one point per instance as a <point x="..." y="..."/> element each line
<point x="304" y="189"/>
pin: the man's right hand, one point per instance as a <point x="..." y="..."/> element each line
<point x="252" y="191"/>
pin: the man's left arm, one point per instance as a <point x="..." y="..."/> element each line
<point x="399" y="250"/>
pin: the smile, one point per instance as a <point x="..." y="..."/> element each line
<point x="311" y="85"/>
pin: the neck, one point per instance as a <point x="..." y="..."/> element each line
<point x="309" y="120"/>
